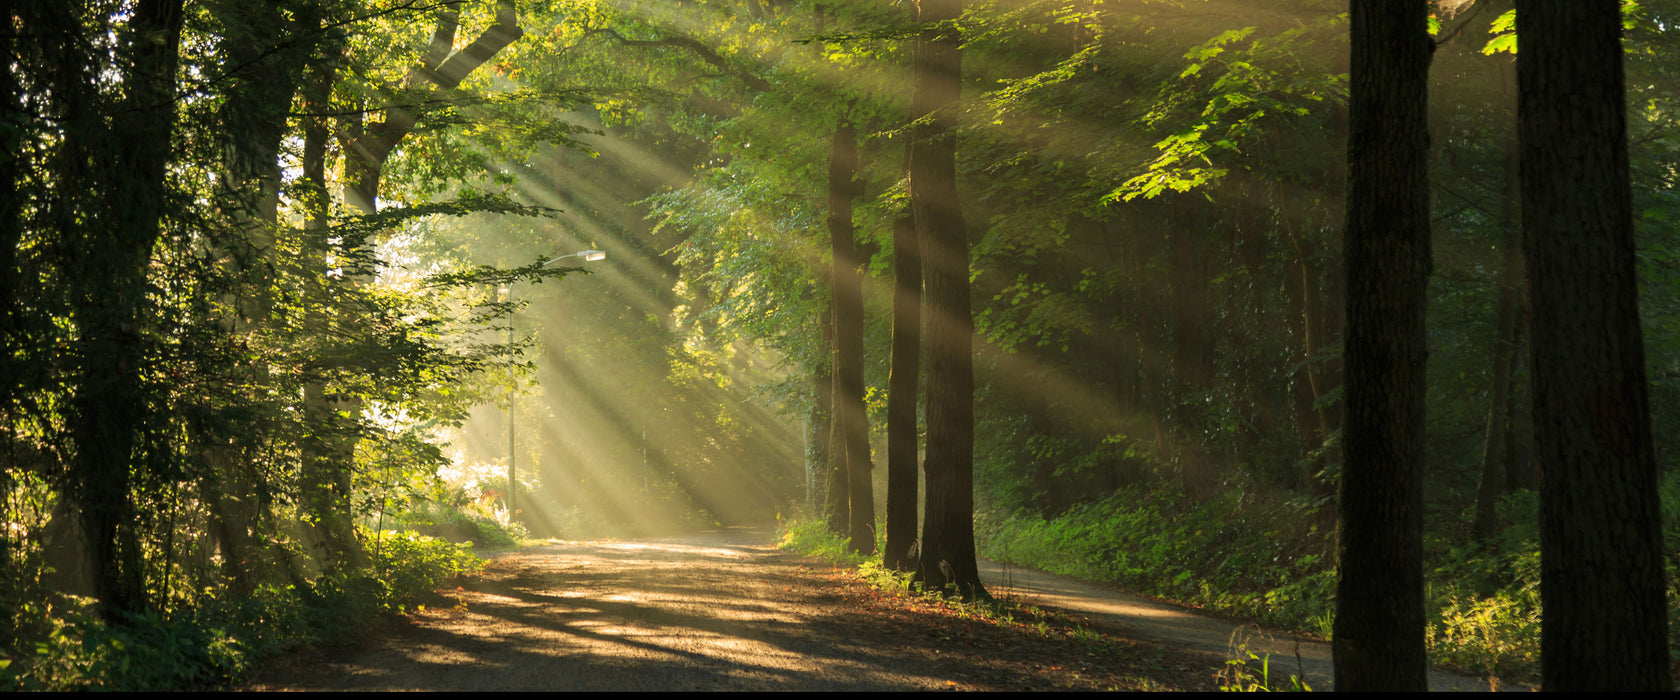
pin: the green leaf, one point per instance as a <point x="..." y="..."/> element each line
<point x="1504" y="23"/>
<point x="1504" y="43"/>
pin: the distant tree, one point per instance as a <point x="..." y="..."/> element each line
<point x="1379" y="629"/>
<point x="947" y="546"/>
<point x="846" y="281"/>
<point x="1602" y="573"/>
<point x="829" y="455"/>
<point x="902" y="394"/>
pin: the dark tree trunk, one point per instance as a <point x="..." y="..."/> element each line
<point x="1379" y="628"/>
<point x="947" y="547"/>
<point x="831" y="458"/>
<point x="847" y="292"/>
<point x="816" y="444"/>
<point x="11" y="231"/>
<point x="1602" y="576"/>
<point x="111" y="302"/>
<point x="902" y="395"/>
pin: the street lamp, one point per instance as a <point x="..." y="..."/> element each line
<point x="512" y="485"/>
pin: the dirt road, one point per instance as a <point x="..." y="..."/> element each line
<point x="726" y="611"/>
<point x="721" y="611"/>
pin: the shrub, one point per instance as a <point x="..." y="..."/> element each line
<point x="217" y="641"/>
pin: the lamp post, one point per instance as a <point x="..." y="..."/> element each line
<point x="512" y="485"/>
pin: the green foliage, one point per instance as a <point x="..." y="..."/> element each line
<point x="1484" y="598"/>
<point x="1249" y="672"/>
<point x="408" y="565"/>
<point x="222" y="637"/>
<point x="812" y="538"/>
<point x="1268" y="561"/>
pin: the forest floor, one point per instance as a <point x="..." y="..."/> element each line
<point x="725" y="610"/>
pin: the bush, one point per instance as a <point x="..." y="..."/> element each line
<point x="217" y="641"/>
<point x="812" y="538"/>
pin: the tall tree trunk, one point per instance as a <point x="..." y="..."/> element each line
<point x="817" y="428"/>
<point x="326" y="454"/>
<point x="902" y="396"/>
<point x="366" y="151"/>
<point x="1379" y="629"/>
<point x="12" y="172"/>
<point x="111" y="301"/>
<point x="1602" y="573"/>
<point x="847" y="292"/>
<point x="947" y="551"/>
<point x="11" y="232"/>
<point x="836" y="505"/>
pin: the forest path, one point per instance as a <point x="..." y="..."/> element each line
<point x="725" y="610"/>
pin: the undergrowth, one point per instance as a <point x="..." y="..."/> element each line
<point x="815" y="540"/>
<point x="1231" y="554"/>
<point x="1272" y="562"/>
<point x="61" y="643"/>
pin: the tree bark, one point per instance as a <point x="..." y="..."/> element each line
<point x="947" y="547"/>
<point x="836" y="506"/>
<point x="1379" y="629"/>
<point x="326" y="456"/>
<point x="847" y="292"/>
<point x="902" y="395"/>
<point x="1605" y="621"/>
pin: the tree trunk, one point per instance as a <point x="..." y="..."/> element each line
<point x="818" y="424"/>
<point x="111" y="302"/>
<point x="1602" y="574"/>
<point x="947" y="551"/>
<point x="253" y="120"/>
<point x="847" y="292"/>
<point x="902" y="395"/>
<point x="326" y="456"/>
<point x="1379" y="629"/>
<point x="836" y="507"/>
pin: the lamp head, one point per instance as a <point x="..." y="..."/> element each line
<point x="587" y="255"/>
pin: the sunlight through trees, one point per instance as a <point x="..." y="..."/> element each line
<point x="1138" y="289"/>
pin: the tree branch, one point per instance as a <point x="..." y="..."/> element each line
<point x="703" y="51"/>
